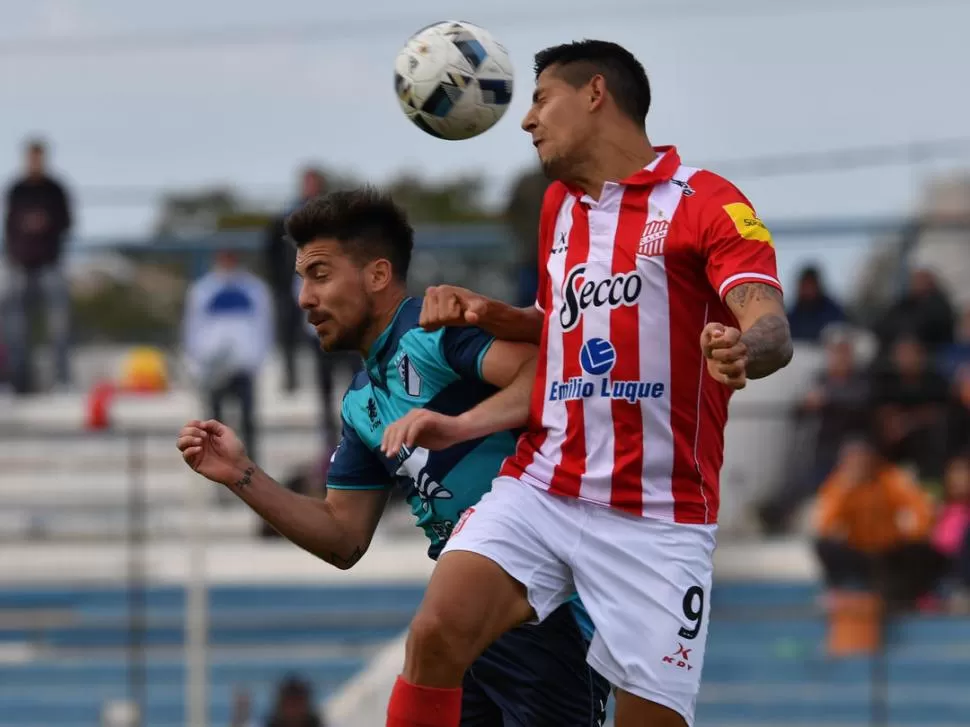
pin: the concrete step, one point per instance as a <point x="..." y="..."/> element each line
<point x="161" y="521"/>
<point x="118" y="452"/>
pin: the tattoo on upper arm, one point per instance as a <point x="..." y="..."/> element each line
<point x="768" y="339"/>
<point x="743" y="295"/>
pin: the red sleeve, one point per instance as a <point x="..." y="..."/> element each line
<point x="551" y="204"/>
<point x="737" y="246"/>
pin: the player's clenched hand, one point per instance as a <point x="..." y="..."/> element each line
<point x="447" y="305"/>
<point x="213" y="450"/>
<point x="423" y="428"/>
<point x="726" y="354"/>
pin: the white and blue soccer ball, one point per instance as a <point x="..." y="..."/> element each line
<point x="453" y="80"/>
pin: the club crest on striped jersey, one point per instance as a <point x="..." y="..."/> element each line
<point x="653" y="238"/>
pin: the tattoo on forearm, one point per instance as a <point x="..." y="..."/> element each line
<point x="246" y="479"/>
<point x="769" y="346"/>
<point x="340" y="561"/>
<point x="769" y="338"/>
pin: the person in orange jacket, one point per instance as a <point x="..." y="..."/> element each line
<point x="873" y="528"/>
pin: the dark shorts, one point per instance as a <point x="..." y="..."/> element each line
<point x="536" y="676"/>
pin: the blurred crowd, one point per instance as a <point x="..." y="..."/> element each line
<point x="234" y="318"/>
<point x="882" y="438"/>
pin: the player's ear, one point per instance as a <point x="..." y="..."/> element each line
<point x="378" y="275"/>
<point x="597" y="91"/>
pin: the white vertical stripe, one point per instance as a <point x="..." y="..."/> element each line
<point x="554" y="413"/>
<point x="684" y="174"/>
<point x="655" y="363"/>
<point x="697" y="430"/>
<point x="604" y="216"/>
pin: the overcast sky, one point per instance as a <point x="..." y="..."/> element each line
<point x="731" y="81"/>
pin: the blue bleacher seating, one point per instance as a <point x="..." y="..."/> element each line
<point x="765" y="663"/>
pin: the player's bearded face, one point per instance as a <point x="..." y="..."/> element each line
<point x="348" y="323"/>
<point x="334" y="296"/>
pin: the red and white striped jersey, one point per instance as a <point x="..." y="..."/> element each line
<point x="624" y="413"/>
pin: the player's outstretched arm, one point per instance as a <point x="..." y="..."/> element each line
<point x="507" y="365"/>
<point x="338" y="529"/>
<point x="448" y="305"/>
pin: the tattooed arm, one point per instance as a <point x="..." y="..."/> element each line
<point x="760" y="311"/>
<point x="337" y="529"/>
<point x="761" y="346"/>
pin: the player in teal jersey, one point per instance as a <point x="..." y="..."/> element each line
<point x="416" y="388"/>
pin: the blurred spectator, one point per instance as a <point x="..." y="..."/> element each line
<point x="873" y="528"/>
<point x="294" y="706"/>
<point x="4" y="358"/>
<point x="228" y="334"/>
<point x="242" y="705"/>
<point x="292" y="329"/>
<point x="951" y="536"/>
<point x="813" y="309"/>
<point x="522" y="216"/>
<point x="958" y="414"/>
<point x="835" y="407"/>
<point x="327" y="366"/>
<point x="280" y="262"/>
<point x="37" y="223"/>
<point x="909" y="400"/>
<point x="924" y="312"/>
<point x="957" y="353"/>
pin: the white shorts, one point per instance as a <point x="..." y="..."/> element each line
<point x="645" y="583"/>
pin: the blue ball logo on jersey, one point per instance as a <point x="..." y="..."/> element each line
<point x="597" y="357"/>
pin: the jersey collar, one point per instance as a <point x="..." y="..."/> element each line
<point x="384" y="346"/>
<point x="661" y="169"/>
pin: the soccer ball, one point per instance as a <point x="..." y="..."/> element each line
<point x="453" y="80"/>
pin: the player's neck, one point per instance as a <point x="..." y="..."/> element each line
<point x="616" y="157"/>
<point x="384" y="313"/>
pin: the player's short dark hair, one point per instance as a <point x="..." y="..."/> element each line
<point x="577" y="62"/>
<point x="365" y="221"/>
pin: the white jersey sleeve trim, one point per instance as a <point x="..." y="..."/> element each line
<point x="734" y="279"/>
<point x="539" y="307"/>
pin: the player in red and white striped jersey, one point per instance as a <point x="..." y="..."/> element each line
<point x="658" y="296"/>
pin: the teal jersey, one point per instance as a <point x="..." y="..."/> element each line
<point x="410" y="368"/>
